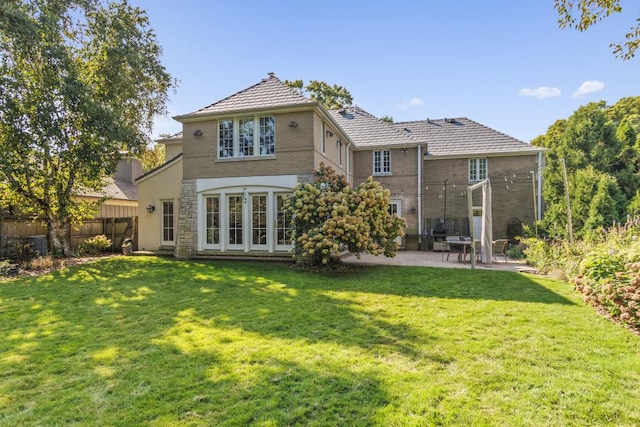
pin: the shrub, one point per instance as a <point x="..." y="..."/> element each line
<point x="330" y="216"/>
<point x="8" y="269"/>
<point x="40" y="263"/>
<point x="95" y="245"/>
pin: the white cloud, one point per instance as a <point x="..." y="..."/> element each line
<point x="588" y="87"/>
<point x="412" y="103"/>
<point x="540" y="93"/>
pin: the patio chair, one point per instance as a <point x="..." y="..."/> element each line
<point x="499" y="247"/>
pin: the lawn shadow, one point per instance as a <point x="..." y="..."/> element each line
<point x="434" y="282"/>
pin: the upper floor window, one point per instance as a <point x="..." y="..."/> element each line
<point x="477" y="169"/>
<point x="237" y="137"/>
<point x="382" y="162"/>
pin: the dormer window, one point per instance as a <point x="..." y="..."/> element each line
<point x="237" y="137"/>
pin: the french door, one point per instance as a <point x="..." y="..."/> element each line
<point x="246" y="221"/>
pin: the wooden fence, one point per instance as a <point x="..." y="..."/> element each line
<point x="15" y="231"/>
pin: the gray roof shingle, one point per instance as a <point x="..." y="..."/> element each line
<point x="268" y="93"/>
<point x="115" y="189"/>
<point x="367" y="131"/>
<point x="461" y="136"/>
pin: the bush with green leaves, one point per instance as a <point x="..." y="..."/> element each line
<point x="95" y="245"/>
<point x="330" y="216"/>
<point x="604" y="267"/>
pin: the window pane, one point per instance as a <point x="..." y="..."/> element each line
<point x="283" y="223"/>
<point x="382" y="161"/>
<point x="235" y="220"/>
<point x="246" y="137"/>
<point x="225" y="138"/>
<point x="213" y="220"/>
<point x="259" y="226"/>
<point x="267" y="136"/>
<point x="167" y="221"/>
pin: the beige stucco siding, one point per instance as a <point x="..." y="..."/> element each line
<point x="164" y="184"/>
<point x="294" y="152"/>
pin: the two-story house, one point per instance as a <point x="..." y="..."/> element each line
<point x="223" y="187"/>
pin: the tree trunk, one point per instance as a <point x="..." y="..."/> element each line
<point x="59" y="236"/>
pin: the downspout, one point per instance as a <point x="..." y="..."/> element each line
<point x="348" y="159"/>
<point x="540" y="167"/>
<point x="420" y="197"/>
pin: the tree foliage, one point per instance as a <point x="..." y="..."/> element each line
<point x="599" y="146"/>
<point x="81" y="81"/>
<point x="152" y="157"/>
<point x="330" y="216"/>
<point x="332" y="97"/>
<point x="582" y="14"/>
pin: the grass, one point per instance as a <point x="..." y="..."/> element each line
<point x="146" y="341"/>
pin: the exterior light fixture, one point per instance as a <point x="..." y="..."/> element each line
<point x="151" y="208"/>
<point x="413" y="210"/>
<point x="197" y="132"/>
<point x="293" y="124"/>
<point x="329" y="133"/>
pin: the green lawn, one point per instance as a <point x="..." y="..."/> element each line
<point x="147" y="341"/>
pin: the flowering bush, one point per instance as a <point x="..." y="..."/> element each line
<point x="95" y="245"/>
<point x="330" y="216"/>
<point x="604" y="267"/>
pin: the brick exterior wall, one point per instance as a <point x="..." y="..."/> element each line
<point x="512" y="196"/>
<point x="294" y="150"/>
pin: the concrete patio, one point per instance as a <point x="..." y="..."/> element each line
<point x="436" y="259"/>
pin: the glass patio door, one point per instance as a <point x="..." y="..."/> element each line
<point x="235" y="226"/>
<point x="259" y="229"/>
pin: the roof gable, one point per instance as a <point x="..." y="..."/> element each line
<point x="268" y="93"/>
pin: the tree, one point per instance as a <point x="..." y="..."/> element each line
<point x="598" y="145"/>
<point x="152" y="157"/>
<point x="332" y="97"/>
<point x="330" y="216"/>
<point x="81" y="81"/>
<point x="387" y="119"/>
<point x="582" y="14"/>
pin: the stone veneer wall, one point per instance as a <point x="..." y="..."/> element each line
<point x="187" y="238"/>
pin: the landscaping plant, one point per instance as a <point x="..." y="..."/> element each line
<point x="330" y="216"/>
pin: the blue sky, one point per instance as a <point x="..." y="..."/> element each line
<point x="505" y="64"/>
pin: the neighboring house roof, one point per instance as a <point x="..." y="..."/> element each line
<point x="115" y="189"/>
<point x="461" y="136"/>
<point x="171" y="138"/>
<point x="368" y="131"/>
<point x="268" y="93"/>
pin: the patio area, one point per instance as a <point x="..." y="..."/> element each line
<point x="435" y="259"/>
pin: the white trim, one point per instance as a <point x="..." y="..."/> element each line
<point x="382" y="171"/>
<point x="247" y="187"/>
<point x="174" y="226"/>
<point x="283" y="181"/>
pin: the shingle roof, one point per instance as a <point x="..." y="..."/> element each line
<point x="115" y="189"/>
<point x="366" y="130"/>
<point x="461" y="136"/>
<point x="268" y="93"/>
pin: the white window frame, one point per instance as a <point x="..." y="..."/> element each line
<point x="257" y="136"/>
<point x="478" y="169"/>
<point x="174" y="217"/>
<point x="382" y="162"/>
